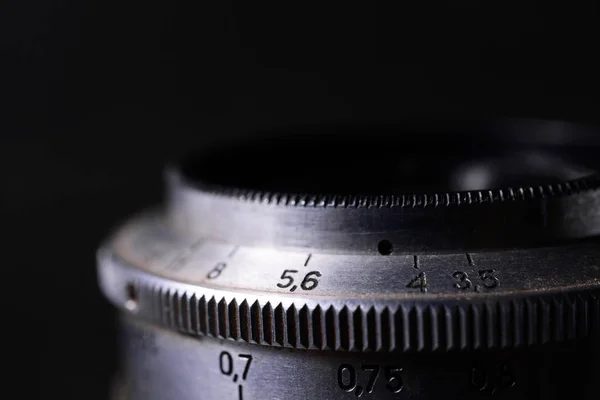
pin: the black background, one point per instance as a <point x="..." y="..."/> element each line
<point x="96" y="95"/>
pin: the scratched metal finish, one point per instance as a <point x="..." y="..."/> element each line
<point x="354" y="302"/>
<point x="521" y="217"/>
<point x="323" y="280"/>
<point x="159" y="364"/>
<point x="146" y="243"/>
<point x="471" y="195"/>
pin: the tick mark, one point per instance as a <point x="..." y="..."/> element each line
<point x="359" y="391"/>
<point x="416" y="262"/>
<point x="235" y="249"/>
<point x="470" y="260"/>
<point x="241" y="392"/>
<point x="197" y="244"/>
<point x="235" y="378"/>
<point x="293" y="288"/>
<point x="307" y="260"/>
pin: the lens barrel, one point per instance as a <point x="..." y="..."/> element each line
<point x="425" y="261"/>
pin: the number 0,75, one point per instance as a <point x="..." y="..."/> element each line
<point x="348" y="377"/>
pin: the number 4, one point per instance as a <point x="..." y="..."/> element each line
<point x="418" y="282"/>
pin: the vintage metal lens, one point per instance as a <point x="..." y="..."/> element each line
<point x="406" y="262"/>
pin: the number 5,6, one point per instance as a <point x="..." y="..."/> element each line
<point x="308" y="283"/>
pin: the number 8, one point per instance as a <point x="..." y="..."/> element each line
<point x="216" y="271"/>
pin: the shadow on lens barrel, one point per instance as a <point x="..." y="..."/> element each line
<point x="381" y="262"/>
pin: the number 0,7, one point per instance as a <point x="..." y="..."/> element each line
<point x="226" y="363"/>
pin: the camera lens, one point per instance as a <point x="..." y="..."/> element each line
<point x="414" y="261"/>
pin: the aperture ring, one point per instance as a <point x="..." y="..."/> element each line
<point x="490" y="322"/>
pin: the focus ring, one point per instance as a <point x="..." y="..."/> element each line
<point x="488" y="323"/>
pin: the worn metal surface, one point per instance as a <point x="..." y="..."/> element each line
<point x="447" y="221"/>
<point x="428" y="286"/>
<point x="354" y="302"/>
<point x="159" y="364"/>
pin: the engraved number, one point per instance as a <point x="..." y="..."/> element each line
<point x="479" y="378"/>
<point x="348" y="379"/>
<point x="216" y="271"/>
<point x="489" y="280"/>
<point x="346" y="375"/>
<point x="285" y="275"/>
<point x="226" y="364"/>
<point x="418" y="282"/>
<point x="491" y="380"/>
<point x="486" y="275"/>
<point x="374" y="369"/>
<point x="395" y="383"/>
<point x="248" y="359"/>
<point x="308" y="283"/>
<point x="465" y="282"/>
